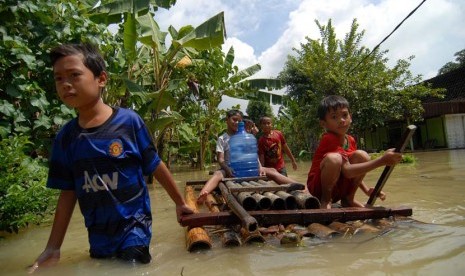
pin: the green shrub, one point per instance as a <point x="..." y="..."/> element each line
<point x="24" y="199"/>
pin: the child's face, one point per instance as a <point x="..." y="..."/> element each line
<point x="76" y="85"/>
<point x="232" y="122"/>
<point x="337" y="121"/>
<point x="266" y="125"/>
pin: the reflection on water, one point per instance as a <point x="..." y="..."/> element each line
<point x="433" y="242"/>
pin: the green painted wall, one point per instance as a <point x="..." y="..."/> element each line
<point x="435" y="131"/>
<point x="376" y="139"/>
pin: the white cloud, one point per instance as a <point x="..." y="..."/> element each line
<point x="244" y="55"/>
<point x="432" y="34"/>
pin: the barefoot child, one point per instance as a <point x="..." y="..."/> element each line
<point x="338" y="168"/>
<point x="99" y="159"/>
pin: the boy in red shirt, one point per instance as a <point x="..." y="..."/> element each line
<point x="338" y="168"/>
<point x="271" y="146"/>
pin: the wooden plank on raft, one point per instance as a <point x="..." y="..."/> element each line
<point x="303" y="216"/>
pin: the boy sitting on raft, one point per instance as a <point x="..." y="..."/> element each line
<point x="233" y="117"/>
<point x="338" y="167"/>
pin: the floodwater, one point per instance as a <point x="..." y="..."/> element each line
<point x="432" y="243"/>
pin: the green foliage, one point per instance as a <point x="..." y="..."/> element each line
<point x="211" y="75"/>
<point x="407" y="158"/>
<point x="24" y="199"/>
<point x="150" y="74"/>
<point x="450" y="66"/>
<point x="258" y="109"/>
<point x="329" y="66"/>
<point x="29" y="30"/>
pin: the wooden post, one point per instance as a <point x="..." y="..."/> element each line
<point x="196" y="237"/>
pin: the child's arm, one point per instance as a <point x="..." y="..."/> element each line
<point x="163" y="175"/>
<point x="261" y="158"/>
<point x="63" y="213"/>
<point x="223" y="165"/>
<point x="287" y="150"/>
<point x="390" y="158"/>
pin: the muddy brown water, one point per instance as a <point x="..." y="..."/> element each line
<point x="434" y="188"/>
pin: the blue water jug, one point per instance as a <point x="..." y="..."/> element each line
<point x="243" y="156"/>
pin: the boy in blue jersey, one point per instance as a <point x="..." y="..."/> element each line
<point x="100" y="159"/>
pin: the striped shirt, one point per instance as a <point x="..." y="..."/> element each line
<point x="105" y="166"/>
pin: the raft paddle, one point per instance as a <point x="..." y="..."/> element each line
<point x="388" y="169"/>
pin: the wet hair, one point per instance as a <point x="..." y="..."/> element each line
<point x="247" y="121"/>
<point x="331" y="103"/>
<point x="92" y="58"/>
<point x="233" y="112"/>
<point x="265" y="117"/>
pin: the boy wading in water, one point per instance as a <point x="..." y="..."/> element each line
<point x="100" y="159"/>
<point x="338" y="168"/>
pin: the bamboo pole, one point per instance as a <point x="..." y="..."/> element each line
<point x="264" y="203"/>
<point x="306" y="200"/>
<point x="277" y="203"/>
<point x="251" y="236"/>
<point x="245" y="199"/>
<point x="291" y="203"/>
<point x="248" y="222"/>
<point x="229" y="238"/>
<point x="196" y="238"/>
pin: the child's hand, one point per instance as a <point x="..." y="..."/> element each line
<point x="391" y="158"/>
<point x="183" y="210"/>
<point x="381" y="195"/>
<point x="228" y="172"/>
<point x="294" y="165"/>
<point x="262" y="171"/>
<point x="48" y="257"/>
<point x="202" y="197"/>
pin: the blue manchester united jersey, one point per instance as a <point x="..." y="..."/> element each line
<point x="105" y="166"/>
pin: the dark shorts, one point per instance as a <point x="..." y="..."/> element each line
<point x="283" y="171"/>
<point x="139" y="254"/>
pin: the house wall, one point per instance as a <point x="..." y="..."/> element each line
<point x="375" y="140"/>
<point x="455" y="130"/>
<point x="434" y="133"/>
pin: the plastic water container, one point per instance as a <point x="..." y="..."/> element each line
<point x="243" y="156"/>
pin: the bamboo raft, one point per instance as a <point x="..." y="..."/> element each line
<point x="244" y="210"/>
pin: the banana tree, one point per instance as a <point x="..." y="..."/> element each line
<point x="212" y="76"/>
<point x="147" y="80"/>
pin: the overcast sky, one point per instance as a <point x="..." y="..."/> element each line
<point x="265" y="31"/>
